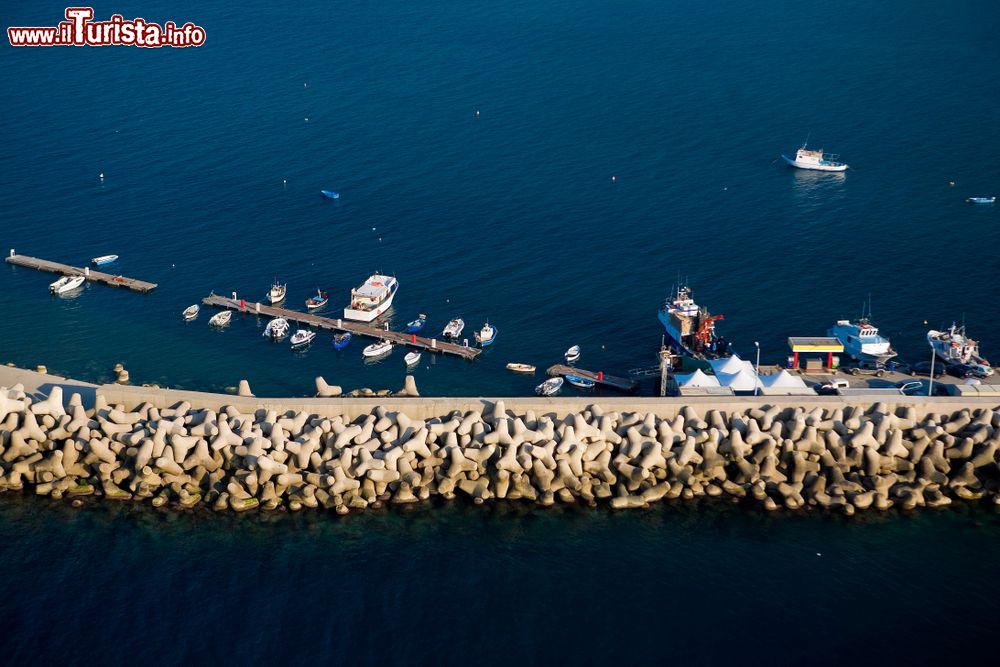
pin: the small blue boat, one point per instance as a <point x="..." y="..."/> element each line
<point x="416" y="325"/>
<point x="486" y="335"/>
<point x="577" y="381"/>
<point x="340" y="341"/>
<point x="330" y="194"/>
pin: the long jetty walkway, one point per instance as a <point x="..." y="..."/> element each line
<point x="600" y="378"/>
<point x="92" y="276"/>
<point x="330" y="324"/>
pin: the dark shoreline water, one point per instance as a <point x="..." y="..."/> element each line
<point x="455" y="583"/>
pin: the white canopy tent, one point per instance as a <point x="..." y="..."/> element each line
<point x="784" y="383"/>
<point x="744" y="380"/>
<point x="731" y="365"/>
<point x="697" y="379"/>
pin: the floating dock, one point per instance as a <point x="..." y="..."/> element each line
<point x="622" y="384"/>
<point x="87" y="272"/>
<point x="338" y="325"/>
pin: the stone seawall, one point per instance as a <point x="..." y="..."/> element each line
<point x="243" y="453"/>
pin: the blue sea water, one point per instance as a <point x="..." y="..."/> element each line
<point x="213" y="159"/>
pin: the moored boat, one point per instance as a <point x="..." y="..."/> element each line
<point x="582" y="382"/>
<point x="191" y="312"/>
<point x="413" y="326"/>
<point x="104" y="259"/>
<point x="330" y="194"/>
<point x="276" y="329"/>
<point x="371" y="299"/>
<point x="277" y="292"/>
<point x="690" y="329"/>
<point x="487" y="335"/>
<point x="340" y="341"/>
<point x="955" y="347"/>
<point x="302" y="338"/>
<point x="377" y="349"/>
<point x="453" y="329"/>
<point x="221" y="318"/>
<point x="318" y="301"/>
<point x="572" y="354"/>
<point x="66" y="284"/>
<point x="412" y="358"/>
<point x="862" y="341"/>
<point x="981" y="200"/>
<point x="815" y="160"/>
<point x="549" y="387"/>
<point x="518" y="367"/>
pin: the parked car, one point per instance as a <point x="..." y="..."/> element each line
<point x="924" y="368"/>
<point x="959" y="370"/>
<point x="867" y="368"/>
<point x="920" y="387"/>
<point x="833" y="387"/>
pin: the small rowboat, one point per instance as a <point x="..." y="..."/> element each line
<point x="577" y="381"/>
<point x="191" y="312"/>
<point x="340" y="341"/>
<point x="572" y="354"/>
<point x="66" y="284"/>
<point x="378" y="349"/>
<point x="329" y="194"/>
<point x="549" y="387"/>
<point x="221" y="319"/>
<point x="412" y="358"/>
<point x="416" y="325"/>
<point x="520" y="368"/>
<point x="981" y="200"/>
<point x="302" y="338"/>
<point x="104" y="259"/>
<point x="487" y="335"/>
<point x="276" y="329"/>
<point x="318" y="301"/>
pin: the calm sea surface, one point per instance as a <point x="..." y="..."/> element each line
<point x="213" y="160"/>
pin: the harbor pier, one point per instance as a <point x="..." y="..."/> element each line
<point x="601" y="378"/>
<point x="93" y="276"/>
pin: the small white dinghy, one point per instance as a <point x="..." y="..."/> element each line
<point x="412" y="358"/>
<point x="520" y="368"/>
<point x="549" y="387"/>
<point x="191" y="312"/>
<point x="572" y="354"/>
<point x="453" y="329"/>
<point x="378" y="349"/>
<point x="221" y="319"/>
<point x="66" y="284"/>
<point x="276" y="329"/>
<point x="302" y="338"/>
<point x="104" y="259"/>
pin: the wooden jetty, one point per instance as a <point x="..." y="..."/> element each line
<point x="87" y="272"/>
<point x="622" y="384"/>
<point x="331" y="324"/>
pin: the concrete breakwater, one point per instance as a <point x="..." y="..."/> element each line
<point x="833" y="456"/>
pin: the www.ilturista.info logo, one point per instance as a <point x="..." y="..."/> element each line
<point x="79" y="29"/>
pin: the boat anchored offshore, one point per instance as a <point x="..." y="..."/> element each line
<point x="104" y="259"/>
<point x="486" y="335"/>
<point x="413" y="326"/>
<point x="277" y="293"/>
<point x="66" y="284"/>
<point x="981" y="200"/>
<point x="816" y="160"/>
<point x="302" y="338"/>
<point x="340" y="341"/>
<point x="690" y="328"/>
<point x="276" y="329"/>
<point x="330" y="194"/>
<point x="572" y="354"/>
<point x="454" y="328"/>
<point x="862" y="341"/>
<point x="377" y="349"/>
<point x="371" y="299"/>
<point x="520" y="368"/>
<point x="191" y="312"/>
<point x="549" y="387"/>
<point x="954" y="347"/>
<point x="221" y="319"/>
<point x="318" y="301"/>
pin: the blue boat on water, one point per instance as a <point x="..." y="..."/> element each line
<point x="340" y="341"/>
<point x="487" y="335"/>
<point x="329" y="194"/>
<point x="416" y="325"/>
<point x="577" y="381"/>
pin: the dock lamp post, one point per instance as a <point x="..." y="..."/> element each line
<point x="930" y="380"/>
<point x="756" y="370"/>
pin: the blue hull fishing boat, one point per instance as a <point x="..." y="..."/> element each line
<point x="318" y="301"/>
<point x="329" y="194"/>
<point x="486" y="335"/>
<point x="416" y="325"/>
<point x="582" y="382"/>
<point x="340" y="341"/>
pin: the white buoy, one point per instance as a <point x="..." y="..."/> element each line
<point x="477" y="112"/>
<point x="102" y="175"/>
<point x="613" y="179"/>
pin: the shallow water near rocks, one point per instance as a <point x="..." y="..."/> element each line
<point x="452" y="583"/>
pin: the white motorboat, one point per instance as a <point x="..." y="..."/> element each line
<point x="815" y="160"/>
<point x="66" y="284"/>
<point x="302" y="338"/>
<point x="454" y="328"/>
<point x="104" y="259"/>
<point x="486" y="335"/>
<point x="520" y="368"/>
<point x="191" y="312"/>
<point x="981" y="200"/>
<point x="549" y="387"/>
<point x="955" y="347"/>
<point x="372" y="299"/>
<point x="862" y="341"/>
<point x="412" y="358"/>
<point x="277" y="293"/>
<point x="221" y="319"/>
<point x="572" y="354"/>
<point x="276" y="329"/>
<point x="377" y="349"/>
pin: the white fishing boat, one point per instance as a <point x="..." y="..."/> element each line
<point x="372" y="299"/>
<point x="412" y="358"/>
<point x="221" y="318"/>
<point x="191" y="312"/>
<point x="277" y="293"/>
<point x="377" y="349"/>
<point x="815" y="160"/>
<point x="66" y="284"/>
<point x="862" y="341"/>
<point x="276" y="329"/>
<point x="302" y="338"/>
<point x="549" y="387"/>
<point x="572" y="354"/>
<point x="955" y="347"/>
<point x="520" y="368"/>
<point x="454" y="328"/>
<point x="104" y="259"/>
